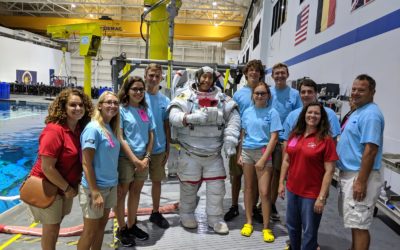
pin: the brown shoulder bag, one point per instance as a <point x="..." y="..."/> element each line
<point x="38" y="192"/>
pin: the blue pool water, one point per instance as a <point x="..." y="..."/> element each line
<point x="18" y="150"/>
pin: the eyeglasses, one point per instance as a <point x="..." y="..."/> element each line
<point x="260" y="93"/>
<point x="75" y="105"/>
<point x="110" y="103"/>
<point x="137" y="90"/>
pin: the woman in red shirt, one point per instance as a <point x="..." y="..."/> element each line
<point x="309" y="164"/>
<point x="59" y="158"/>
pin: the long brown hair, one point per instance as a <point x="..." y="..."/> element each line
<point x="58" y="108"/>
<point x="123" y="94"/>
<point x="323" y="127"/>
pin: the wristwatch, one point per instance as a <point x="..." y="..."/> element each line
<point x="322" y="198"/>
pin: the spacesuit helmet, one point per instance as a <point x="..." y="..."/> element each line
<point x="201" y="72"/>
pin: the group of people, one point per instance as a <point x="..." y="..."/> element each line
<point x="104" y="153"/>
<point x="281" y="140"/>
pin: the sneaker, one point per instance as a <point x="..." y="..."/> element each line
<point x="274" y="213"/>
<point x="257" y="215"/>
<point x="138" y="233"/>
<point x="124" y="238"/>
<point x="159" y="220"/>
<point x="232" y="213"/>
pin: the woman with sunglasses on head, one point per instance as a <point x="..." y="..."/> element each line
<point x="100" y="142"/>
<point x="309" y="166"/>
<point x="260" y="127"/>
<point x="137" y="128"/>
<point x="58" y="159"/>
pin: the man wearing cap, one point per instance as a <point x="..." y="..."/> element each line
<point x="204" y="119"/>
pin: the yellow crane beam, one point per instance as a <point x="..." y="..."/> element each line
<point x="119" y="28"/>
<point x="90" y="40"/>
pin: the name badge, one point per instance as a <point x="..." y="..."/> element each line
<point x="143" y="115"/>
<point x="293" y="142"/>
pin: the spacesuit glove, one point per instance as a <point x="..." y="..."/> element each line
<point x="230" y="149"/>
<point x="197" y="117"/>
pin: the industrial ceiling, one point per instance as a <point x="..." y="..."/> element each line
<point x="34" y="15"/>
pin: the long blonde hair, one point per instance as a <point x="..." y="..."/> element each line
<point x="115" y="121"/>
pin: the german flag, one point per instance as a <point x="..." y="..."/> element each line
<point x="325" y="15"/>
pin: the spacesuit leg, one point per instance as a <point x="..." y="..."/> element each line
<point x="215" y="191"/>
<point x="189" y="173"/>
<point x="188" y="204"/>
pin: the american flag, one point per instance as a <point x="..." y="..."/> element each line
<point x="355" y="4"/>
<point x="302" y="25"/>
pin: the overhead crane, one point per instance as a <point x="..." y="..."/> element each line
<point x="90" y="40"/>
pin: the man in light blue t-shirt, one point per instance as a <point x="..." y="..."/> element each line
<point x="158" y="104"/>
<point x="284" y="99"/>
<point x="360" y="155"/>
<point x="308" y="94"/>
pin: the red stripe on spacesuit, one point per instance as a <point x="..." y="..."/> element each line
<point x="205" y="179"/>
<point x="214" y="178"/>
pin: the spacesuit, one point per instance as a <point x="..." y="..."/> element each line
<point x="203" y="121"/>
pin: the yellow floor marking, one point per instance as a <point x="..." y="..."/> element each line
<point x="16" y="237"/>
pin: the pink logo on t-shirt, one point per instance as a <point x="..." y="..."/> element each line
<point x="143" y="115"/>
<point x="110" y="140"/>
<point x="293" y="142"/>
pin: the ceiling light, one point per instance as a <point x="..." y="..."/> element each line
<point x="73" y="5"/>
<point x="214" y="3"/>
<point x="91" y="15"/>
<point x="215" y="15"/>
<point x="216" y="24"/>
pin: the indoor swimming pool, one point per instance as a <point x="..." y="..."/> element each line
<point x="20" y="126"/>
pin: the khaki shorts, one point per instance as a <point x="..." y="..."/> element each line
<point x="127" y="173"/>
<point x="110" y="200"/>
<point x="358" y="214"/>
<point x="156" y="168"/>
<point x="277" y="157"/>
<point x="53" y="214"/>
<point x="234" y="168"/>
<point x="251" y="156"/>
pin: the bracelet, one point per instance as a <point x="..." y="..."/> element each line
<point x="148" y="156"/>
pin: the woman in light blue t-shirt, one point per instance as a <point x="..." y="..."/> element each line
<point x="100" y="142"/>
<point x="260" y="127"/>
<point x="137" y="127"/>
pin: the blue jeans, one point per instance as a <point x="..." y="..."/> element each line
<point x="300" y="217"/>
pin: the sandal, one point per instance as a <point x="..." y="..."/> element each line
<point x="268" y="235"/>
<point x="247" y="230"/>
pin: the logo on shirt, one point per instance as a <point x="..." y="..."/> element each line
<point x="267" y="118"/>
<point x="311" y="145"/>
<point x="91" y="141"/>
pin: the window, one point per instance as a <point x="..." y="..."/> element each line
<point x="247" y="55"/>
<point x="278" y="15"/>
<point x="256" y="37"/>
